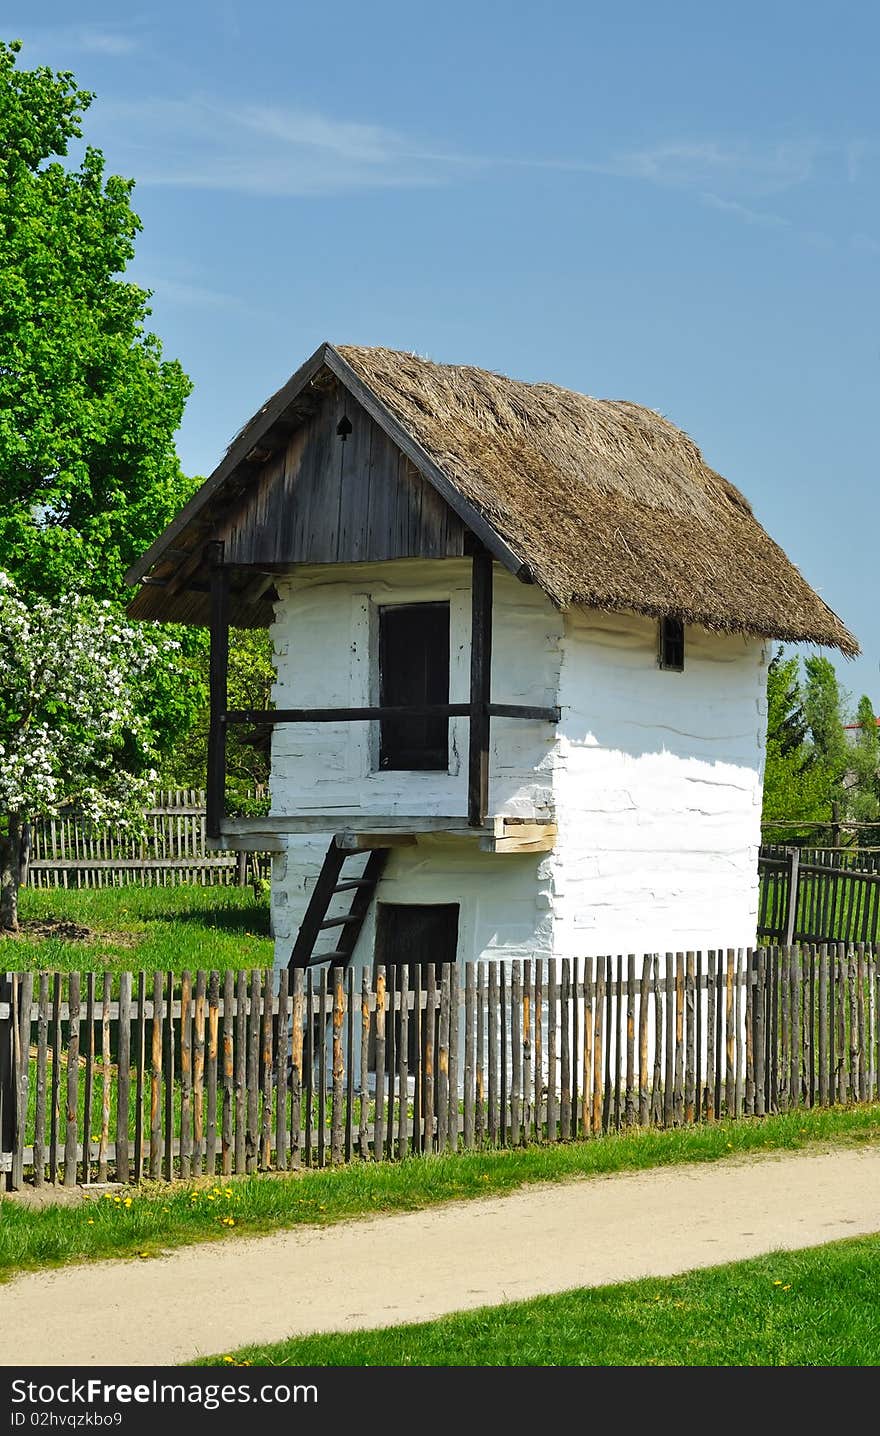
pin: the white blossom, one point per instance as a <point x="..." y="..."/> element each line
<point x="70" y="729"/>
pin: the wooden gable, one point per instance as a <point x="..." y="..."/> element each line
<point x="325" y="499"/>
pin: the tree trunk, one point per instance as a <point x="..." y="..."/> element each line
<point x="10" y="870"/>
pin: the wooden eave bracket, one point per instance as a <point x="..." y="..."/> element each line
<point x="519" y="835"/>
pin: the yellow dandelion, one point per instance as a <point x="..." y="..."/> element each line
<point x="777" y="1283"/>
<point x="230" y="1360"/>
<point x="209" y="1196"/>
<point x="127" y="1202"/>
<point x="118" y="1201"/>
<point x="787" y="1287"/>
<point x="90" y="1222"/>
<point x="108" y="1196"/>
<point x="228" y="1192"/>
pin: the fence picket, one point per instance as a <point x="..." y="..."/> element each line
<point x="186" y="1075"/>
<point x="364" y="1104"/>
<point x="598" y="1022"/>
<point x="212" y="1055"/>
<point x="168" y="1057"/>
<point x="226" y="1136"/>
<point x="42" y="1050"/>
<point x="155" y="1074"/>
<point x="349" y="1062"/>
<point x="240" y="1079"/>
<point x="565" y="1052"/>
<point x="264" y="1158"/>
<point x="338" y="1068"/>
<point x="123" y="1085"/>
<point x="402" y="1043"/>
<point x="587" y="1085"/>
<point x="252" y="1131"/>
<point x="140" y="1076"/>
<point x="296" y="1064"/>
<point x="198" y="1097"/>
<point x="443" y="1061"/>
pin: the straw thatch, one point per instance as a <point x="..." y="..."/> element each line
<point x="610" y="504"/>
<point x="607" y="503"/>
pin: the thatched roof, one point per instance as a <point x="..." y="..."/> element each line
<point x="609" y="504"/>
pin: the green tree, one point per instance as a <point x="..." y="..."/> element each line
<point x="824" y="702"/>
<point x="863" y="781"/>
<point x="251" y="674"/>
<point x="795" y="783"/>
<point x="88" y="406"/>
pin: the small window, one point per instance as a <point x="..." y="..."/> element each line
<point x="671" y="644"/>
<point x="413" y="672"/>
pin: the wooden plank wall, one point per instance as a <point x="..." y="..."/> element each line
<point x="325" y="500"/>
<point x="71" y="852"/>
<point x="151" y="1075"/>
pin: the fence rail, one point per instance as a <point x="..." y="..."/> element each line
<point x="70" y="851"/>
<point x="818" y="895"/>
<point x="154" y="1075"/>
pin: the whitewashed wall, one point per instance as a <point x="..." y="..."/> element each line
<point x="504" y="902"/>
<point x="658" y="779"/>
<point x="654" y="777"/>
<point x="325" y="640"/>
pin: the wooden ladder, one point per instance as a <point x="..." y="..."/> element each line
<point x="330" y="882"/>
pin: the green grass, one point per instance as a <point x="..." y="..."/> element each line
<point x="817" y="1307"/>
<point x="180" y="1214"/>
<point x="133" y="927"/>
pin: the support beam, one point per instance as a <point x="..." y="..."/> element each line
<point x="481" y="669"/>
<point x="215" y="795"/>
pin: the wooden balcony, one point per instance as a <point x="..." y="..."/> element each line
<point x="362" y="831"/>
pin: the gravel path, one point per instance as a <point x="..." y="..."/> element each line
<point x="410" y="1267"/>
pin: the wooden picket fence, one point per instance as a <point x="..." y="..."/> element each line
<point x="818" y="895"/>
<point x="160" y="1076"/>
<point x="70" y="851"/>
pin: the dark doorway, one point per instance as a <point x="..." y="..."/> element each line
<point x="414" y="935"/>
<point x="414" y="671"/>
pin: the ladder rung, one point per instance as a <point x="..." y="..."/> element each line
<point x="354" y="883"/>
<point x="338" y="922"/>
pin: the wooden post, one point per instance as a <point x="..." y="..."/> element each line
<point x="8" y="1118"/>
<point x="215" y="797"/>
<point x="794" y="859"/>
<point x="481" y="668"/>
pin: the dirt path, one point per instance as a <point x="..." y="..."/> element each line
<point x="384" y="1270"/>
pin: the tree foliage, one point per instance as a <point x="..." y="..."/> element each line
<point x="250" y="677"/>
<point x="795" y="791"/>
<point x="88" y="406"/>
<point x="814" y="775"/>
<point x="72" y="723"/>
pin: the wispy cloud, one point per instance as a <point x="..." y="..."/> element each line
<point x="258" y="149"/>
<point x="766" y="219"/>
<point x="87" y="37"/>
<point x="105" y="42"/>
<point x="708" y="164"/>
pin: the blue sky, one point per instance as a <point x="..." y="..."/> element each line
<point x="673" y="204"/>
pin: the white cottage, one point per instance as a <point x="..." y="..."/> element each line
<point x="521" y="641"/>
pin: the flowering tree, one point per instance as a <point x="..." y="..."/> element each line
<point x="71" y="728"/>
